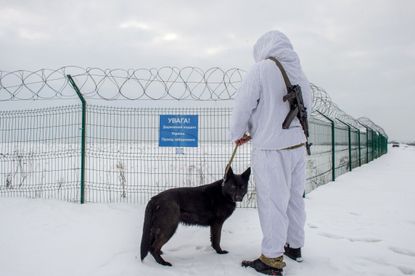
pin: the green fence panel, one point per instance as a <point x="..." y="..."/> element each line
<point x="354" y="144"/>
<point x="319" y="165"/>
<point x="364" y="147"/>
<point x="40" y="153"/>
<point x="342" y="149"/>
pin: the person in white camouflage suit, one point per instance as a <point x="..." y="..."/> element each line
<point x="278" y="155"/>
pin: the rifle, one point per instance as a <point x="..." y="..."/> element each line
<point x="297" y="109"/>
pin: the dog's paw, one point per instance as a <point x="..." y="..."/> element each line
<point x="222" y="251"/>
<point x="165" y="263"/>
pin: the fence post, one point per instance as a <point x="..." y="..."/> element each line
<point x="360" y="149"/>
<point x="373" y="144"/>
<point x="367" y="145"/>
<point x="83" y="136"/>
<point x="333" y="147"/>
<point x="378" y="144"/>
<point x="350" y="149"/>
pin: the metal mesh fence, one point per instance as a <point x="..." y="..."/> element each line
<point x="41" y="149"/>
<point x="126" y="163"/>
<point x="355" y="152"/>
<point x="341" y="149"/>
<point x="40" y="153"/>
<point x="363" y="148"/>
<point x="319" y="165"/>
<point x="370" y="151"/>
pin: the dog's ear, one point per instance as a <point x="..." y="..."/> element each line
<point x="245" y="175"/>
<point x="229" y="173"/>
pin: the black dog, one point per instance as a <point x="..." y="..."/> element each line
<point x="208" y="205"/>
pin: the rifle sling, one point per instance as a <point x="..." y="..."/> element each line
<point x="284" y="74"/>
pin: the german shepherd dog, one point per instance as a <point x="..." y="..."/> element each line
<point x="207" y="205"/>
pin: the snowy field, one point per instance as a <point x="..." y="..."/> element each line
<point x="362" y="224"/>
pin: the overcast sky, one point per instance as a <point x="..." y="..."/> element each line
<point x="361" y="52"/>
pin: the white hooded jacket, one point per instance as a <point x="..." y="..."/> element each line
<point x="259" y="108"/>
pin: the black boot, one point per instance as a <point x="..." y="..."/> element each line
<point x="293" y="253"/>
<point x="261" y="267"/>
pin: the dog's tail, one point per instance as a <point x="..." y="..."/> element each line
<point x="147" y="237"/>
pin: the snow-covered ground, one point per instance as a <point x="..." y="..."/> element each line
<point x="362" y="224"/>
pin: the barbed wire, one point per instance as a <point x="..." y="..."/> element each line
<point x="370" y="124"/>
<point x="324" y="107"/>
<point x="165" y="83"/>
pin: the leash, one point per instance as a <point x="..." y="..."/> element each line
<point x="230" y="162"/>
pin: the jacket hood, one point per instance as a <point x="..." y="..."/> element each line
<point x="274" y="44"/>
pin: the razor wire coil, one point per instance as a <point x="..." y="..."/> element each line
<point x="165" y="83"/>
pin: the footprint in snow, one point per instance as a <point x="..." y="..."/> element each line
<point x="402" y="251"/>
<point x="331" y="236"/>
<point x="177" y="248"/>
<point x="369" y="240"/>
<point x="312" y="226"/>
<point x="403" y="269"/>
<point x="406" y="270"/>
<point x="337" y="237"/>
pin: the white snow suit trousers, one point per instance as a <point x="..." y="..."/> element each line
<point x="279" y="177"/>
